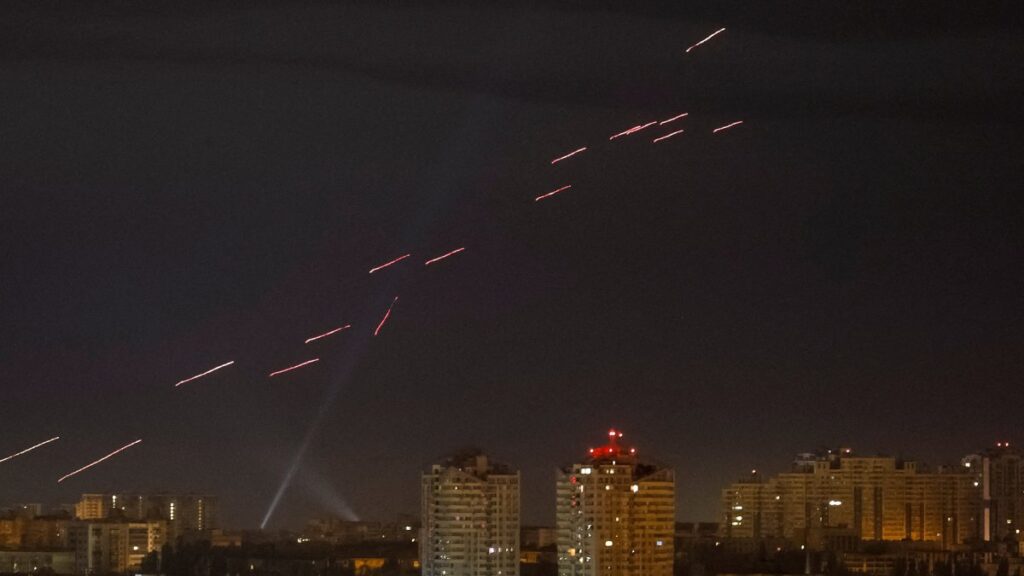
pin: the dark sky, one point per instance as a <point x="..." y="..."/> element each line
<point x="182" y="186"/>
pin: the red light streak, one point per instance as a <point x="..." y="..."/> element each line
<point x="296" y="367"/>
<point x="669" y="135"/>
<point x="727" y="126"/>
<point x="328" y="333"/>
<point x="443" y="256"/>
<point x="386" y="316"/>
<point x="552" y="193"/>
<point x="674" y="118"/>
<point x="569" y="155"/>
<point x="636" y="128"/>
<point x="210" y="371"/>
<point x="713" y="34"/>
<point x="29" y="449"/>
<point x="386" y="264"/>
<point x="87" y="466"/>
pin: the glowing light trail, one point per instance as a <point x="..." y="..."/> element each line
<point x="210" y="371"/>
<point x="87" y="466"/>
<point x="290" y="368"/>
<point x="443" y="256"/>
<point x="669" y="135"/>
<point x="26" y="450"/>
<point x="328" y="333"/>
<point x="674" y="118"/>
<point x="713" y="34"/>
<point x="636" y="128"/>
<point x="386" y="264"/>
<point x="727" y="126"/>
<point x="552" y="193"/>
<point x="569" y="155"/>
<point x="386" y="316"/>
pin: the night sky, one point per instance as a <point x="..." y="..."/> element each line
<point x="185" y="185"/>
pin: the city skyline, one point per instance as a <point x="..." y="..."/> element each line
<point x="98" y="505"/>
<point x="290" y="255"/>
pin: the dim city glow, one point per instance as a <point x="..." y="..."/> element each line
<point x="30" y="448"/>
<point x="296" y="367"/>
<point x="386" y="264"/>
<point x="569" y="155"/>
<point x="712" y="35"/>
<point x="328" y="333"/>
<point x="210" y="371"/>
<point x="90" y="465"/>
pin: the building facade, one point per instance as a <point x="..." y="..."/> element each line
<point x="834" y="494"/>
<point x="108" y="546"/>
<point x="470" y="518"/>
<point x="615" y="516"/>
<point x="34" y="561"/>
<point x="1000" y="475"/>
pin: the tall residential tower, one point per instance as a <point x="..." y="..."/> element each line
<point x="999" y="472"/>
<point x="470" y="515"/>
<point x="615" y="515"/>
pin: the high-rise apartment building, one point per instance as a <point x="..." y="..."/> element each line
<point x="999" y="472"/>
<point x="615" y="515"/>
<point x="470" y="518"/>
<point x="869" y="498"/>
